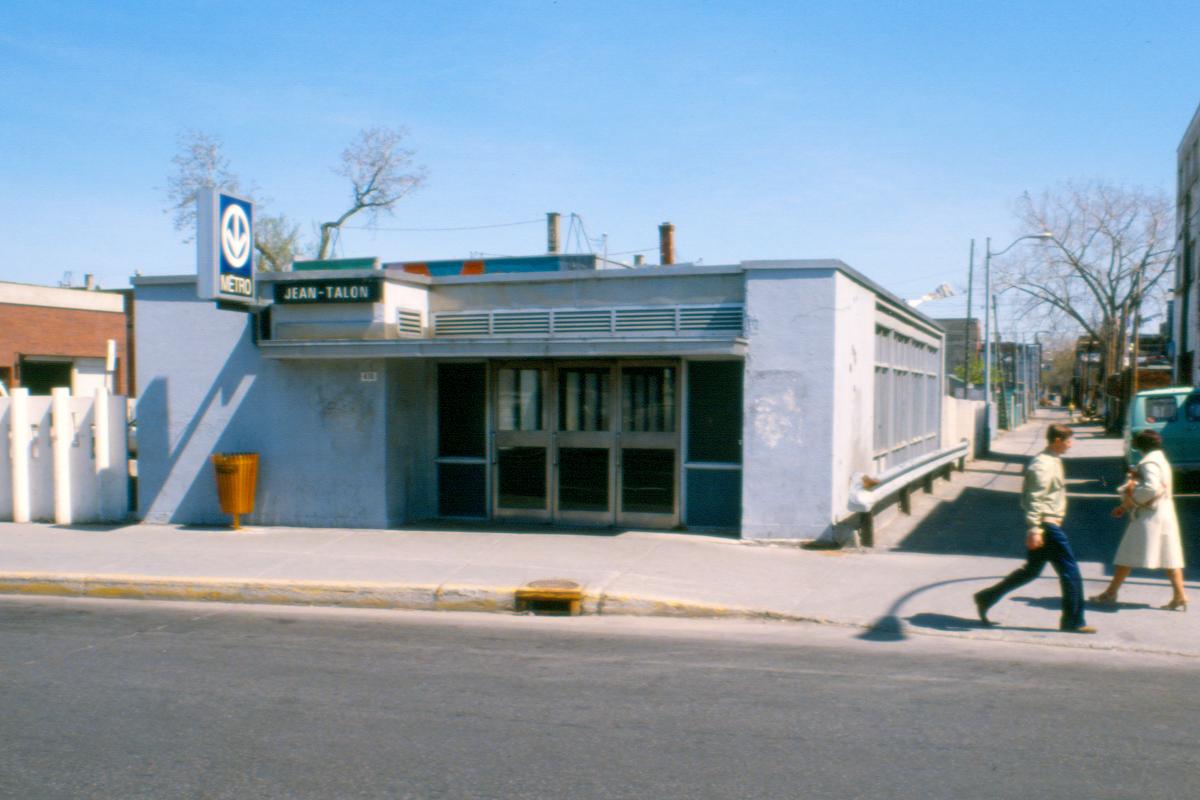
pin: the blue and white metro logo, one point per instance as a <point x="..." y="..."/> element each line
<point x="236" y="236"/>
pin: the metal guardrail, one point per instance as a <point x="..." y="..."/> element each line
<point x="869" y="492"/>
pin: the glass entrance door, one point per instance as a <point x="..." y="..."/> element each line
<point x="587" y="443"/>
<point x="520" y="442"/>
<point x="583" y="444"/>
<point x="648" y="446"/>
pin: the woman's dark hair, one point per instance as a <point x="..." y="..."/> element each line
<point x="1147" y="441"/>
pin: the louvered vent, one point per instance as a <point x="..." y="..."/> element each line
<point x="710" y="318"/>
<point x="598" y="321"/>
<point x="409" y="322"/>
<point x="461" y="325"/>
<point x="645" y="320"/>
<point x="509" y="323"/>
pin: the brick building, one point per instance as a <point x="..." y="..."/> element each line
<point x="52" y="336"/>
<point x="1186" y="319"/>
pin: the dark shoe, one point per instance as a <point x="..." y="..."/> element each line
<point x="981" y="608"/>
<point x="1080" y="629"/>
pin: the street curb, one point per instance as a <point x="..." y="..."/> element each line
<point x="357" y="594"/>
<point x="464" y="597"/>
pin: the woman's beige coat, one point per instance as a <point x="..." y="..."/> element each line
<point x="1151" y="538"/>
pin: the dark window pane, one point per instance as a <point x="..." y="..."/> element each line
<point x="522" y="477"/>
<point x="715" y="411"/>
<point x="462" y="392"/>
<point x="519" y="399"/>
<point x="714" y="498"/>
<point x="462" y="490"/>
<point x="648" y="399"/>
<point x="583" y="479"/>
<point x="40" y="377"/>
<point x="583" y="399"/>
<point x="1192" y="409"/>
<point x="648" y="481"/>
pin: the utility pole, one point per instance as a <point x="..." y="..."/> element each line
<point x="1137" y="317"/>
<point x="967" y="332"/>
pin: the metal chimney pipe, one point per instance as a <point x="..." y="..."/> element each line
<point x="666" y="243"/>
<point x="639" y="260"/>
<point x="89" y="282"/>
<point x="552" y="232"/>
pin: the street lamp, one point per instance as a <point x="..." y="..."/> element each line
<point x="987" y="329"/>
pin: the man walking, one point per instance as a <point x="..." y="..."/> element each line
<point x="1044" y="501"/>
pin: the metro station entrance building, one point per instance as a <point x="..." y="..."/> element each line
<point x="539" y="390"/>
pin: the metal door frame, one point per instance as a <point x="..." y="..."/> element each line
<point x="600" y="440"/>
<point x="499" y="439"/>
<point x="649" y="441"/>
<point x="614" y="440"/>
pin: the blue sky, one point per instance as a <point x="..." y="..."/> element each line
<point x="885" y="134"/>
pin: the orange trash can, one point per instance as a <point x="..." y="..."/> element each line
<point x="237" y="475"/>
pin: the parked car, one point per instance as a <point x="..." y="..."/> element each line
<point x="1175" y="413"/>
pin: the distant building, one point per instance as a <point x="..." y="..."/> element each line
<point x="1186" y="323"/>
<point x="963" y="340"/>
<point x="52" y="336"/>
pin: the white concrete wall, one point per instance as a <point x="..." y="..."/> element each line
<point x="788" y="427"/>
<point x="319" y="426"/>
<point x="6" y="480"/>
<point x="90" y="489"/>
<point x="88" y="375"/>
<point x="962" y="419"/>
<point x="853" y="388"/>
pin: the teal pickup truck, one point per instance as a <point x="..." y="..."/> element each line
<point x="1175" y="413"/>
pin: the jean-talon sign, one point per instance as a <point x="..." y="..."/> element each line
<point x="329" y="290"/>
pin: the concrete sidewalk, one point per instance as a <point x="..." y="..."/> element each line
<point x="890" y="594"/>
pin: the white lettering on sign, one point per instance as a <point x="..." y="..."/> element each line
<point x="348" y="293"/>
<point x="232" y="284"/>
<point x="300" y="293"/>
<point x="327" y="293"/>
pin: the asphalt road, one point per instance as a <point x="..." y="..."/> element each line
<point x="155" y="700"/>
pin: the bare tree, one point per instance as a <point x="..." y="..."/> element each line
<point x="1111" y="249"/>
<point x="200" y="163"/>
<point x="277" y="240"/>
<point x="381" y="173"/>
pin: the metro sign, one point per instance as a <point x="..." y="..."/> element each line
<point x="224" y="247"/>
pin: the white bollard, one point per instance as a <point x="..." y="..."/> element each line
<point x="18" y="437"/>
<point x="100" y="428"/>
<point x="62" y="432"/>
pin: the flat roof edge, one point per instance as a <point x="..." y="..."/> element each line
<point x="161" y="280"/>
<point x="837" y="265"/>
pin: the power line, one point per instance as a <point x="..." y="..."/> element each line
<point x="627" y="252"/>
<point x="457" y="228"/>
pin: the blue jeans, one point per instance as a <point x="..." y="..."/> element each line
<point x="1056" y="550"/>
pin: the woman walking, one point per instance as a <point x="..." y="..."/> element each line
<point x="1151" y="539"/>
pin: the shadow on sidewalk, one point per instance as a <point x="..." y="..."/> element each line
<point x="988" y="521"/>
<point x="952" y="624"/>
